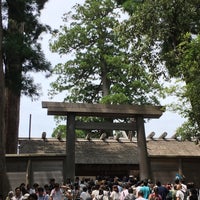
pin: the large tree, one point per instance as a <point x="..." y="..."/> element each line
<point x="188" y="66"/>
<point x="22" y="54"/>
<point x="169" y="31"/>
<point x="101" y="67"/>
<point x="4" y="183"/>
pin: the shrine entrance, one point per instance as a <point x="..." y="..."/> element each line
<point x="136" y="112"/>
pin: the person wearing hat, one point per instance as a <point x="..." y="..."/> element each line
<point x="26" y="196"/>
<point x="10" y="195"/>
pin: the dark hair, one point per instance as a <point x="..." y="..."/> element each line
<point x="155" y="189"/>
<point x="40" y="189"/>
<point x="33" y="196"/>
<point x="177" y="181"/>
<point x="35" y="185"/>
<point x="46" y="187"/>
<point x="130" y="190"/>
<point x="158" y="183"/>
<point x="56" y="185"/>
<point x="100" y="191"/>
<point x="145" y="183"/>
<point x="140" y="193"/>
<point x="116" y="188"/>
<point x="84" y="189"/>
<point x="193" y="191"/>
<point x="17" y="188"/>
<point x="22" y="185"/>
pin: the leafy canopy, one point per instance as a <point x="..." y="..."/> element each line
<point x="103" y="65"/>
<point x="169" y="30"/>
<point x="21" y="47"/>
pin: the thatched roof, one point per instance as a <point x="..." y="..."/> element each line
<point x="110" y="151"/>
<point x="173" y="148"/>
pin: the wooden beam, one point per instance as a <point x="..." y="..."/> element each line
<point x="105" y="126"/>
<point x="103" y="110"/>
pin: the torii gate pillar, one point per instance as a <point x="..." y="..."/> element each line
<point x="70" y="147"/>
<point x="142" y="150"/>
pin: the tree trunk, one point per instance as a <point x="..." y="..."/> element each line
<point x="105" y="92"/>
<point x="13" y="84"/>
<point x="12" y="109"/>
<point x="4" y="183"/>
<point x="105" y="80"/>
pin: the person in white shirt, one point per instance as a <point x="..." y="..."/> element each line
<point x="41" y="195"/>
<point x="179" y="193"/>
<point x="115" y="195"/>
<point x="56" y="193"/>
<point x="18" y="194"/>
<point x="124" y="191"/>
<point x="84" y="194"/>
<point x="140" y="196"/>
<point x="95" y="191"/>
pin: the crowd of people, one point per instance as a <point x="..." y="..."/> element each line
<point x="105" y="188"/>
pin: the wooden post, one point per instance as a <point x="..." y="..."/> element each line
<point x="29" y="175"/>
<point x="29" y="132"/>
<point x="70" y="147"/>
<point x="144" y="163"/>
<point x="64" y="171"/>
<point x="180" y="167"/>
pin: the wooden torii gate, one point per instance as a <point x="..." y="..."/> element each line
<point x="72" y="110"/>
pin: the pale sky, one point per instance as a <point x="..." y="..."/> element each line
<point x="40" y="121"/>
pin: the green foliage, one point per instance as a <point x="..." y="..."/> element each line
<point x="130" y="5"/>
<point x="21" y="49"/>
<point x="162" y="25"/>
<point x="188" y="130"/>
<point x="167" y="41"/>
<point x="103" y="66"/>
<point x="189" y="68"/>
<point x="188" y="94"/>
<point x="61" y="129"/>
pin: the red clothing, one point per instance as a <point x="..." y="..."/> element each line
<point x="154" y="196"/>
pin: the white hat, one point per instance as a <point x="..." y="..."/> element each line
<point x="26" y="196"/>
<point x="10" y="193"/>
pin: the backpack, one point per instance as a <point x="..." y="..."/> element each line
<point x="99" y="197"/>
<point x="185" y="194"/>
<point x="169" y="195"/>
<point x="129" y="197"/>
